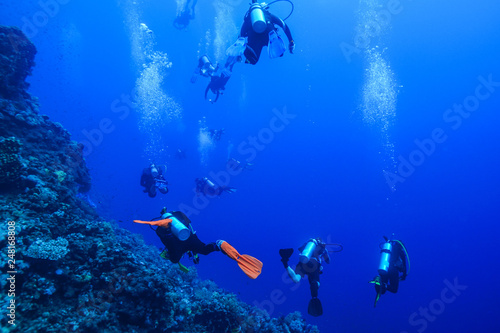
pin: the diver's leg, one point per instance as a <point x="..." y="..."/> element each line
<point x="175" y="249"/>
<point x="197" y="246"/>
<point x="152" y="191"/>
<point x="393" y="283"/>
<point x="314" y="282"/>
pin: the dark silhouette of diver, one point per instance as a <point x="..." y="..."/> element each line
<point x="152" y="178"/>
<point x="177" y="234"/>
<point x="311" y="256"/>
<point x="216" y="134"/>
<point x="392" y="268"/>
<point x="235" y="165"/>
<point x="182" y="20"/>
<point x="206" y="187"/>
<point x="259" y="28"/>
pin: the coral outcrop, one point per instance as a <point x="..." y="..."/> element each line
<point x="74" y="271"/>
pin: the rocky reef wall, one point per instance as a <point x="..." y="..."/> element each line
<point x="64" y="268"/>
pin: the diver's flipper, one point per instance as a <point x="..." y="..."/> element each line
<point x="286" y="253"/>
<point x="251" y="266"/>
<point x="161" y="223"/>
<point x="315" y="308"/>
<point x="229" y="189"/>
<point x="237" y="48"/>
<point x="276" y="46"/>
<point x="376" y="300"/>
<point x="376" y="282"/>
<point x="183" y="268"/>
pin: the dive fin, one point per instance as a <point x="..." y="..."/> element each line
<point x="376" y="300"/>
<point x="286" y="253"/>
<point x="183" y="268"/>
<point x="161" y="223"/>
<point x="315" y="308"/>
<point x="251" y="266"/>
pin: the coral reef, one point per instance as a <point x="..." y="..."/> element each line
<point x="75" y="271"/>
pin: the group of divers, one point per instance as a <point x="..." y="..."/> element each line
<point x="260" y="28"/>
<point x="179" y="238"/>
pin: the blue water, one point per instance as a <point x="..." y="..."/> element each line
<point x="368" y="80"/>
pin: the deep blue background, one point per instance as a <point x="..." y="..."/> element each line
<point x="322" y="175"/>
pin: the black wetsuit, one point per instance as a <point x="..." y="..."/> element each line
<point x="256" y="41"/>
<point x="313" y="268"/>
<point x="177" y="248"/>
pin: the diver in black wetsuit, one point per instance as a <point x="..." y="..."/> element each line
<point x="393" y="268"/>
<point x="152" y="178"/>
<point x="206" y="187"/>
<point x="177" y="234"/>
<point x="176" y="248"/>
<point x="216" y="134"/>
<point x="262" y="31"/>
<point x="237" y="166"/>
<point x="187" y="14"/>
<point x="259" y="28"/>
<point x="312" y="254"/>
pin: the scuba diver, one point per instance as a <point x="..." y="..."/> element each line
<point x="182" y="20"/>
<point x="259" y="28"/>
<point x="218" y="82"/>
<point x="312" y="253"/>
<point x="216" y="134"/>
<point x="205" y="68"/>
<point x="394" y="266"/>
<point x="206" y="187"/>
<point x="177" y="234"/>
<point x="235" y="165"/>
<point x="152" y="178"/>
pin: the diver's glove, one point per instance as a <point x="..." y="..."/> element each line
<point x="291" y="46"/>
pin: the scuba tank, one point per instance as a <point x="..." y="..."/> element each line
<point x="178" y="228"/>
<point x="385" y="258"/>
<point x="206" y="67"/>
<point x="308" y="251"/>
<point x="258" y="18"/>
<point x="209" y="183"/>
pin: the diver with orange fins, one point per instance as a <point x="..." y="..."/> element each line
<point x="312" y="253"/>
<point x="394" y="266"/>
<point x="178" y="236"/>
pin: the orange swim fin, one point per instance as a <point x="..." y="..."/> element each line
<point x="161" y="223"/>
<point x="251" y="266"/>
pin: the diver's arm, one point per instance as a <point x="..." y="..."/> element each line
<point x="326" y="256"/>
<point x="294" y="276"/>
